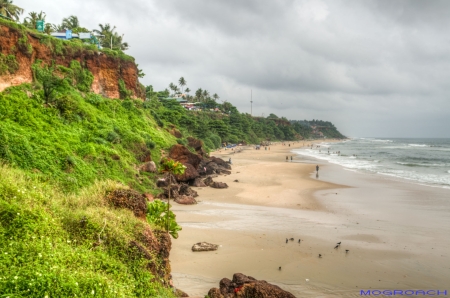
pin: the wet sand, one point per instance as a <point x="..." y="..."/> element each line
<point x="396" y="233"/>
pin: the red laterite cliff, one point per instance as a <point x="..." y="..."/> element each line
<point x="107" y="67"/>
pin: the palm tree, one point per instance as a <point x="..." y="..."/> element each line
<point x="48" y="28"/>
<point x="8" y="9"/>
<point x="205" y="94"/>
<point x="111" y="39"/>
<point x="105" y="30"/>
<point x="199" y="94"/>
<point x="215" y="96"/>
<point x="33" y="17"/>
<point x="187" y="90"/>
<point x="182" y="83"/>
<point x="71" y="22"/>
<point x="58" y="28"/>
<point x="172" y="87"/>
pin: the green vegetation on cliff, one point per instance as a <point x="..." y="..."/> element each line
<point x="74" y="140"/>
<point x="228" y="125"/>
<point x="58" y="245"/>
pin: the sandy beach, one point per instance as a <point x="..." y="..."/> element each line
<point x="396" y="233"/>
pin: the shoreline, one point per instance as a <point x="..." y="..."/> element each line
<point x="274" y="200"/>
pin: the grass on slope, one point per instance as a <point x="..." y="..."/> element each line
<point x="78" y="138"/>
<point x="46" y="242"/>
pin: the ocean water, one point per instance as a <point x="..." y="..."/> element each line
<point x="421" y="161"/>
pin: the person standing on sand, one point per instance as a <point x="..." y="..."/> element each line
<point x="287" y="158"/>
<point x="291" y="158"/>
<point x="317" y="169"/>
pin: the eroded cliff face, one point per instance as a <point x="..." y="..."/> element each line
<point x="28" y="47"/>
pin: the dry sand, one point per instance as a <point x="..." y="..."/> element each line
<point x="275" y="200"/>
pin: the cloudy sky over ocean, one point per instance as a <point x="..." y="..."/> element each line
<point x="373" y="68"/>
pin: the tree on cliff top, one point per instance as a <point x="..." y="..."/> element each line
<point x="71" y="22"/>
<point x="31" y="20"/>
<point x="8" y="9"/>
<point x="182" y="83"/>
<point x="110" y="39"/>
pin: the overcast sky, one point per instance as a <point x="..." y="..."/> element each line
<point x="377" y="68"/>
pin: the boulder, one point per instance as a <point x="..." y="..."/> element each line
<point x="186" y="200"/>
<point x="187" y="191"/>
<point x="174" y="191"/>
<point x="183" y="155"/>
<point x="204" y="246"/>
<point x="218" y="185"/>
<point x="221" y="162"/>
<point x="201" y="170"/>
<point x="208" y="181"/>
<point x="247" y="286"/>
<point x="149" y="167"/>
<point x="162" y="182"/>
<point x="195" y="143"/>
<point x="215" y="293"/>
<point x="129" y="199"/>
<point x="198" y="182"/>
<point x="224" y="172"/>
<point x="212" y="168"/>
<point x="190" y="173"/>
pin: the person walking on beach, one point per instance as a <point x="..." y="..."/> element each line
<point x="317" y="169"/>
<point x="230" y="161"/>
<point x="287" y="158"/>
<point x="291" y="158"/>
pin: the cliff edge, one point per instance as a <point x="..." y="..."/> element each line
<point x="20" y="48"/>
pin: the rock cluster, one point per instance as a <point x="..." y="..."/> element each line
<point x="199" y="172"/>
<point x="247" y="286"/>
<point x="181" y="193"/>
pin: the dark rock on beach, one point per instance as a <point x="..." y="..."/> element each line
<point x="187" y="191"/>
<point x="247" y="286"/>
<point x="198" y="182"/>
<point x="208" y="181"/>
<point x="189" y="174"/>
<point x="204" y="246"/>
<point x="218" y="185"/>
<point x="221" y="162"/>
<point x="186" y="200"/>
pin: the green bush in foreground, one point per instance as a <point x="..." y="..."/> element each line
<point x="55" y="245"/>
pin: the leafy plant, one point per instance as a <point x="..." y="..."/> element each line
<point x="171" y="167"/>
<point x="158" y="215"/>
